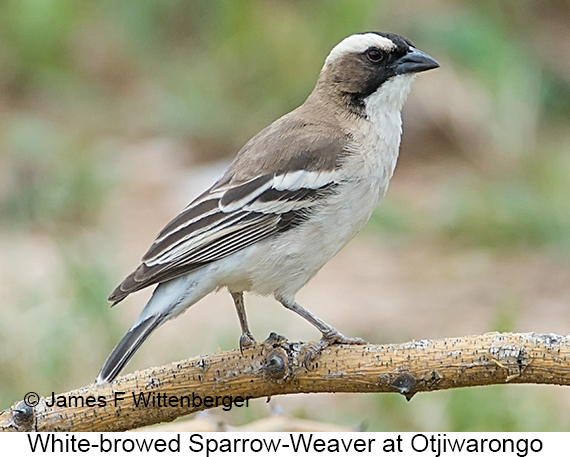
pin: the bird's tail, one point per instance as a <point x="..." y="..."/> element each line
<point x="127" y="347"/>
<point x="168" y="300"/>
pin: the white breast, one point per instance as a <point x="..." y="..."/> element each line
<point x="383" y="110"/>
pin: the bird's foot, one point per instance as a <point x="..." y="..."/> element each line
<point x="246" y="341"/>
<point x="328" y="338"/>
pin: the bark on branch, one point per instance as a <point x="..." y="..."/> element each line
<point x="278" y="367"/>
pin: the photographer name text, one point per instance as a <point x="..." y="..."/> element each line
<point x="148" y="400"/>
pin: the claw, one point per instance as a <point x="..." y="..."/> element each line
<point x="333" y="337"/>
<point x="246" y="341"/>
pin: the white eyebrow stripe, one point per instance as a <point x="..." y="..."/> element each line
<point x="356" y="44"/>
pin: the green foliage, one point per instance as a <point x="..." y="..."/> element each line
<point x="529" y="210"/>
<point x="54" y="178"/>
<point x="504" y="408"/>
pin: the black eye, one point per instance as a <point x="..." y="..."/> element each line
<point x="374" y="55"/>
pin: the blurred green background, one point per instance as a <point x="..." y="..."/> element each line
<point x="113" y="115"/>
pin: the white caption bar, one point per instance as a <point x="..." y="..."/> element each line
<point x="285" y="444"/>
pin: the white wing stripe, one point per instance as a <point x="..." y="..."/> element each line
<point x="246" y="231"/>
<point x="227" y="244"/>
<point x="195" y="238"/>
<point x="185" y="224"/>
<point x="238" y="204"/>
<point x="207" y="242"/>
<point x="221" y="248"/>
<point x="303" y="179"/>
<point x="278" y="206"/>
<point x="205" y="197"/>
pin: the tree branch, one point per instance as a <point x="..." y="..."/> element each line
<point x="278" y="367"/>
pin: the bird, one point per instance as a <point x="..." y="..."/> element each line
<point x="294" y="195"/>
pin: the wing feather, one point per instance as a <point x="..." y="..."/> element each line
<point x="240" y="210"/>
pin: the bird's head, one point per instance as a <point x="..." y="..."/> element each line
<point x="363" y="63"/>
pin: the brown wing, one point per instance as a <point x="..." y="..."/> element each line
<point x="235" y="213"/>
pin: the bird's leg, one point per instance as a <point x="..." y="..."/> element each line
<point x="246" y="340"/>
<point x="330" y="334"/>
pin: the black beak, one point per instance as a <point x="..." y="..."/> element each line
<point x="414" y="62"/>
